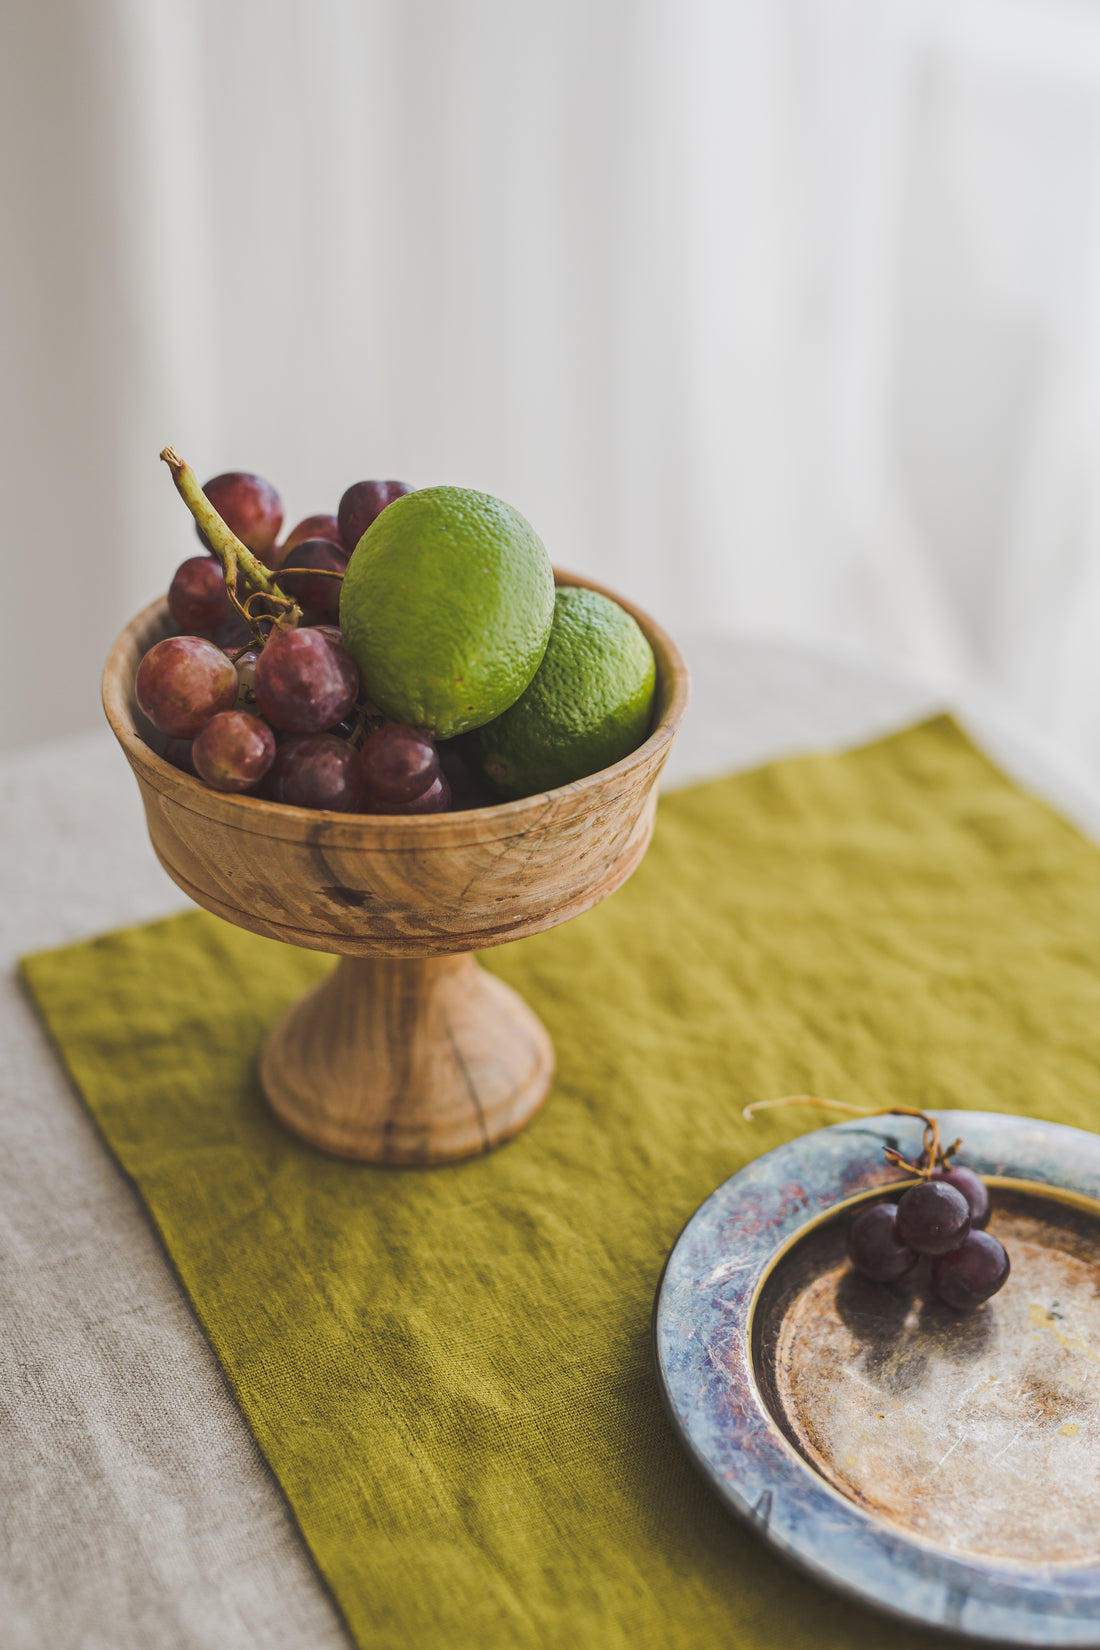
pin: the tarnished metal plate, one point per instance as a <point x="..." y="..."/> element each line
<point x="939" y="1464"/>
<point x="976" y="1431"/>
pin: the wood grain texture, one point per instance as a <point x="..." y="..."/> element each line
<point x="372" y="886"/>
<point x="408" y="1061"/>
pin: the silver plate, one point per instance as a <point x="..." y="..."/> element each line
<point x="943" y="1466"/>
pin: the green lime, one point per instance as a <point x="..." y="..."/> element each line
<point x="446" y="608"/>
<point x="589" y="705"/>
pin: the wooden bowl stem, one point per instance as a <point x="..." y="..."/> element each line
<point x="408" y="1060"/>
<point x="409" y="1053"/>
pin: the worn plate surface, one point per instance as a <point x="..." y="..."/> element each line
<point x="942" y="1465"/>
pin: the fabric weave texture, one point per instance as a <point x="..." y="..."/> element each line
<point x="449" y="1370"/>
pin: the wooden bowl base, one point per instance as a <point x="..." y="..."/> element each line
<point x="408" y="1061"/>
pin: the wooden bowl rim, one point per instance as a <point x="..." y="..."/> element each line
<point x="117" y="687"/>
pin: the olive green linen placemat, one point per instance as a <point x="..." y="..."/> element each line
<point x="450" y="1370"/>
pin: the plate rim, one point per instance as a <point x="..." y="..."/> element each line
<point x="908" y="1577"/>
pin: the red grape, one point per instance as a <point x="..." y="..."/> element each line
<point x="310" y="527"/>
<point x="435" y="800"/>
<point x="973" y="1188"/>
<point x="250" y="507"/>
<point x="182" y="682"/>
<point x="197" y="598"/>
<point x="971" y="1273"/>
<point x="321" y="595"/>
<point x="234" y="751"/>
<point x="875" y="1247"/>
<point x="245" y="666"/>
<point x="933" y="1217"/>
<point x="361" y="504"/>
<point x="233" y="634"/>
<point x="305" y="682"/>
<point x="399" y="763"/>
<point x="318" y="771"/>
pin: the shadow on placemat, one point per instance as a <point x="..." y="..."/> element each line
<point x="450" y="1370"/>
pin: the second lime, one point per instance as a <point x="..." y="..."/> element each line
<point x="589" y="705"/>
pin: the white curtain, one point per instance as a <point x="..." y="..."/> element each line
<point x="779" y="315"/>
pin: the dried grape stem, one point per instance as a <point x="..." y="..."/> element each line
<point x="932" y="1152"/>
<point x="237" y="560"/>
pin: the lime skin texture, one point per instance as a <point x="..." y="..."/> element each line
<point x="589" y="705"/>
<point x="446" y="608"/>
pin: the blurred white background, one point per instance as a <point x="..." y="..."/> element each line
<point x="782" y="316"/>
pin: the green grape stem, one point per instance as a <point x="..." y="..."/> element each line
<point x="237" y="560"/>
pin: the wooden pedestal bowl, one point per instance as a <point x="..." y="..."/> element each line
<point x="409" y="1053"/>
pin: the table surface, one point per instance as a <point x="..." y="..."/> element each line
<point x="137" y="1510"/>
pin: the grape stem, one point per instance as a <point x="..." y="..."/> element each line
<point x="367" y="720"/>
<point x="237" y="560"/>
<point x="933" y="1154"/>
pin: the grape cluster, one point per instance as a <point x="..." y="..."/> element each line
<point x="249" y="701"/>
<point x="942" y="1217"/>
